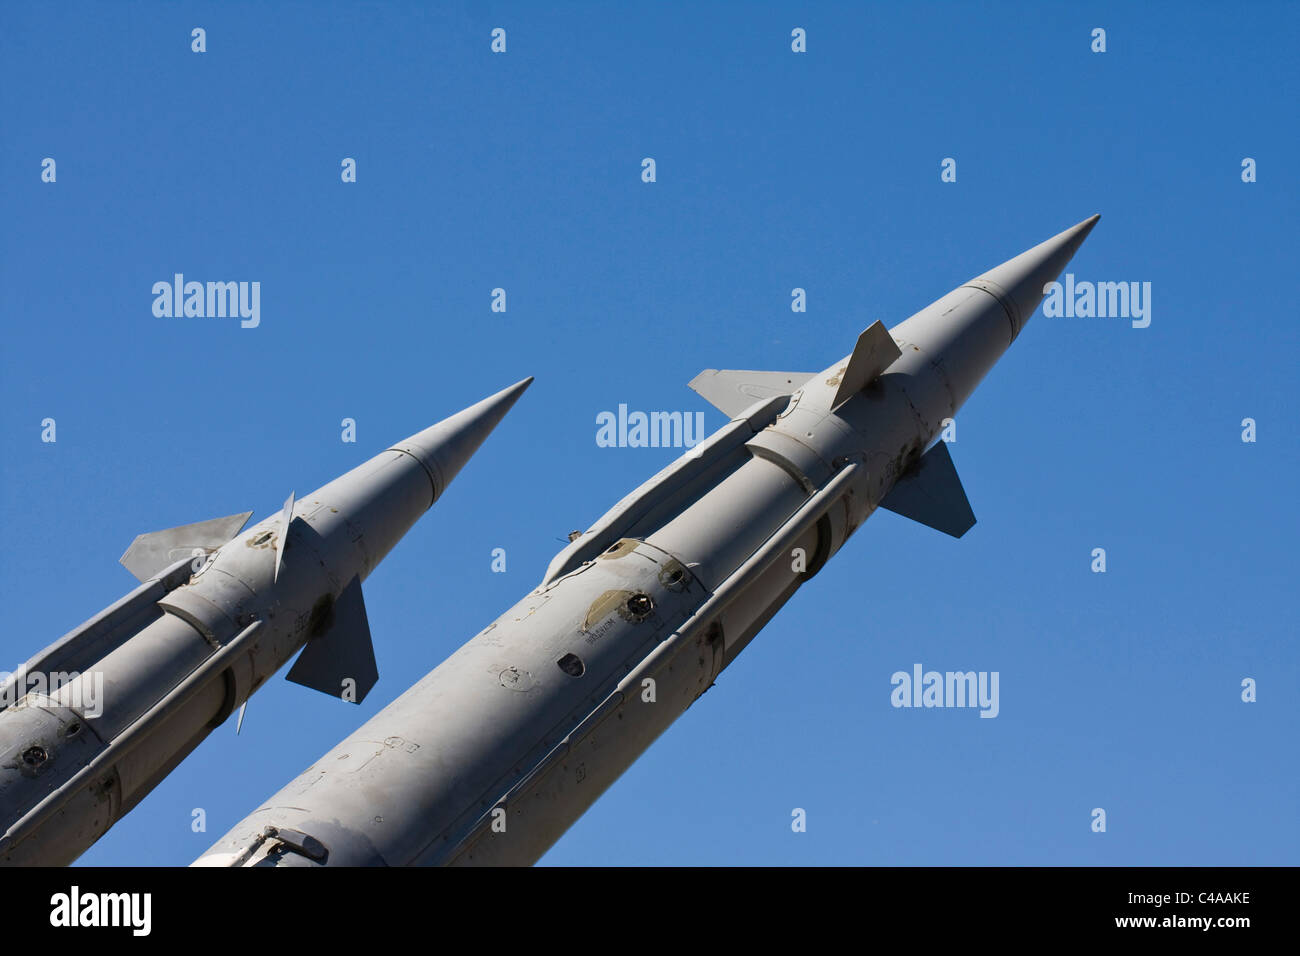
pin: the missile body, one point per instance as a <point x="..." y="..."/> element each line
<point x="493" y="755"/>
<point x="91" y="724"/>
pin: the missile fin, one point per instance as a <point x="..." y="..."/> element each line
<point x="341" y="652"/>
<point x="731" y="391"/>
<point x="286" y="519"/>
<point x="932" y="494"/>
<point x="874" y="352"/>
<point x="152" y="552"/>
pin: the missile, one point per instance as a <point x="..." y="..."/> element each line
<point x="92" y="723"/>
<point x="493" y="755"/>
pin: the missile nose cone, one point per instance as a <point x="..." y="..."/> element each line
<point x="1019" y="283"/>
<point x="444" y="448"/>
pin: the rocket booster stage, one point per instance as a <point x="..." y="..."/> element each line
<point x="218" y="613"/>
<point x="493" y="755"/>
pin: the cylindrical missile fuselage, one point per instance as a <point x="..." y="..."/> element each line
<point x="234" y="604"/>
<point x="493" y="755"/>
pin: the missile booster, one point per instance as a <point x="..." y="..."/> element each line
<point x="93" y="722"/>
<point x="492" y="756"/>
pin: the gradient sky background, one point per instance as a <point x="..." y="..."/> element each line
<point x="775" y="170"/>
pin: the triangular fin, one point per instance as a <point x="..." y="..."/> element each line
<point x="874" y="352"/>
<point x="932" y="494"/>
<point x="731" y="391"/>
<point x="152" y="552"/>
<point x="286" y="520"/>
<point x="342" y="652"/>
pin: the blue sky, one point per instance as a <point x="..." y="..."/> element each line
<point x="775" y="170"/>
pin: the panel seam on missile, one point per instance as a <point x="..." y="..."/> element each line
<point x="1012" y="313"/>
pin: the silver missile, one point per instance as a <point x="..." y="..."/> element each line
<point x="493" y="755"/>
<point x="92" y="723"/>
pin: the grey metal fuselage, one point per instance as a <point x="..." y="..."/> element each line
<point x="493" y="755"/>
<point x="176" y="656"/>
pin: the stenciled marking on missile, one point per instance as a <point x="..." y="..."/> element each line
<point x="599" y="632"/>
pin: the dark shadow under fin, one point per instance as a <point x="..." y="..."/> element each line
<point x="932" y="494"/>
<point x="342" y="653"/>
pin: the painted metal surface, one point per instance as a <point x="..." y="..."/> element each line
<point x="493" y="755"/>
<point x="173" y="659"/>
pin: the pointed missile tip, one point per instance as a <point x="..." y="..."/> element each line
<point x="1074" y="237"/>
<point x="495" y="406"/>
<point x="519" y="387"/>
<point x="444" y="448"/>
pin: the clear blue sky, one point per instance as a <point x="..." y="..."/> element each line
<point x="775" y="170"/>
